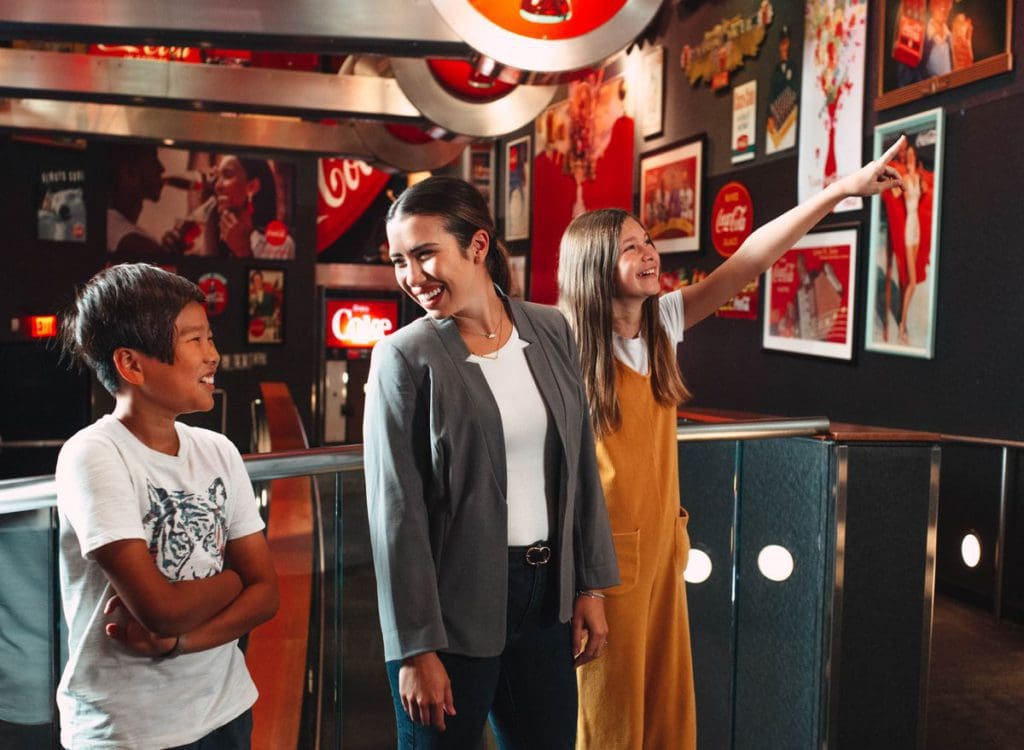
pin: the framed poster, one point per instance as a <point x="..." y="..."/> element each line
<point x="809" y="296"/>
<point x="832" y="97"/>
<point x="927" y="46"/>
<point x="478" y="169"/>
<point x="265" y="319"/>
<point x="904" y="240"/>
<point x="652" y="84"/>
<point x="517" y="188"/>
<point x="671" y="183"/>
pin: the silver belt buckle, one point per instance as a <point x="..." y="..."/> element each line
<point x="538" y="554"/>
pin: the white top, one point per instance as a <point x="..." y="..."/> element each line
<point x="118" y="227"/>
<point x="633" y="352"/>
<point x="111" y="486"/>
<point x="524" y="422"/>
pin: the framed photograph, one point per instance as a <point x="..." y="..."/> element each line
<point x="904" y="241"/>
<point x="653" y="79"/>
<point x="517" y="188"/>
<point x="809" y="295"/>
<point x="478" y="169"/>
<point x="671" y="187"/>
<point x="927" y="47"/>
<point x="265" y="308"/>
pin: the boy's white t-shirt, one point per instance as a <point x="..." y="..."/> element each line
<point x="633" y="352"/>
<point x="110" y="486"/>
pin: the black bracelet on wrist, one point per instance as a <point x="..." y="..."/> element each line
<point x="177" y="648"/>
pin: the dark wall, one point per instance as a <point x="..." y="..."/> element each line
<point x="970" y="385"/>
<point x="40" y="277"/>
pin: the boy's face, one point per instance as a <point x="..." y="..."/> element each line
<point x="186" y="385"/>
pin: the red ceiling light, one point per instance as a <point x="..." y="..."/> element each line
<point x="549" y="19"/>
<point x="461" y="79"/>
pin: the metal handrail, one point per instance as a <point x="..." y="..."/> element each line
<point x="34" y="493"/>
<point x="754" y="430"/>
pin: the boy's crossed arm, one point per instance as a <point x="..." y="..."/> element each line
<point x="196" y="615"/>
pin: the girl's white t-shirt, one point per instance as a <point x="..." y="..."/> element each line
<point x="633" y="352"/>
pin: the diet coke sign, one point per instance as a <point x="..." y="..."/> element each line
<point x="732" y="218"/>
<point x="346" y="189"/>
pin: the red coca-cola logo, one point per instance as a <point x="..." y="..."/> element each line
<point x="257" y="327"/>
<point x="276" y="232"/>
<point x="215" y="287"/>
<point x="346" y="188"/>
<point x="732" y="218"/>
<point x="742" y="142"/>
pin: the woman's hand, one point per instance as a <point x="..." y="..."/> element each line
<point x="235" y="230"/>
<point x="588" y="615"/>
<point x="132" y="635"/>
<point x="875" y="176"/>
<point x="425" y="690"/>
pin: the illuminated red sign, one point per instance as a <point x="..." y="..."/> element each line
<point x="42" y="326"/>
<point x="359" y="324"/>
<point x="148" y="52"/>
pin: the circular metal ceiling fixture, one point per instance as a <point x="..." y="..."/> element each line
<point x="452" y="94"/>
<point x="548" y="35"/>
<point x="405" y="148"/>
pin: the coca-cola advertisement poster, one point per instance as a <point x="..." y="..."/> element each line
<point x="671" y="191"/>
<point x="265" y="320"/>
<point x="928" y="46"/>
<point x="904" y="241"/>
<point x="345" y="190"/>
<point x="60" y="216"/>
<point x="809" y="294"/>
<point x="171" y="202"/>
<point x="732" y="218"/>
<point x="517" y="189"/>
<point x="832" y="96"/>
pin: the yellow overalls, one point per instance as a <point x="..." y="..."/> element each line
<point x="639" y="692"/>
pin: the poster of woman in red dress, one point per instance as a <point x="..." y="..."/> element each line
<point x="905" y="240"/>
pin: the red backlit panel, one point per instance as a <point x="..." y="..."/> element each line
<point x="42" y="326"/>
<point x="549" y="19"/>
<point x="359" y="324"/>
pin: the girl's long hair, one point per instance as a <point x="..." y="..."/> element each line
<point x="589" y="254"/>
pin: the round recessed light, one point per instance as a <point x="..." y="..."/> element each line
<point x="775" y="562"/>
<point x="698" y="567"/>
<point x="970" y="550"/>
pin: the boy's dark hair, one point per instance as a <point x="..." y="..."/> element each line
<point x="130" y="305"/>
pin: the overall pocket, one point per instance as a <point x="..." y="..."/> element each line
<point x="627" y="553"/>
<point x="682" y="551"/>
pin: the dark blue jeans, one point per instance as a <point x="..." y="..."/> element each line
<point x="235" y="735"/>
<point x="528" y="692"/>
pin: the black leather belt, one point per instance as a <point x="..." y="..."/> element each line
<point x="533" y="555"/>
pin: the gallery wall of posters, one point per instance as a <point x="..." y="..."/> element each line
<point x="904" y="242"/>
<point x="926" y="47"/>
<point x="832" y="96"/>
<point x="171" y="201"/>
<point x="671" y="186"/>
<point x="809" y="296"/>
<point x="517" y="188"/>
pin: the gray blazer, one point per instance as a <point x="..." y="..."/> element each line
<point x="435" y="485"/>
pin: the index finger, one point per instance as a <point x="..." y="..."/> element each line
<point x="893" y="149"/>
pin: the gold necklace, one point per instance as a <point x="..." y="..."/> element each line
<point x="489" y="335"/>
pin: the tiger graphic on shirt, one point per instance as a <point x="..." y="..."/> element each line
<point x="187" y="531"/>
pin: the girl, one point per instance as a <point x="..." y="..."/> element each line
<point x="640" y="694"/>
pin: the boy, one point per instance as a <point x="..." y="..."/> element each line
<point x="162" y="562"/>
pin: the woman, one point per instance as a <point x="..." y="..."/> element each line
<point x="914" y="186"/>
<point x="608" y="279"/>
<point x="240" y="219"/>
<point x="487" y="521"/>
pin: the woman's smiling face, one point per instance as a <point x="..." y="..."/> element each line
<point x="443" y="278"/>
